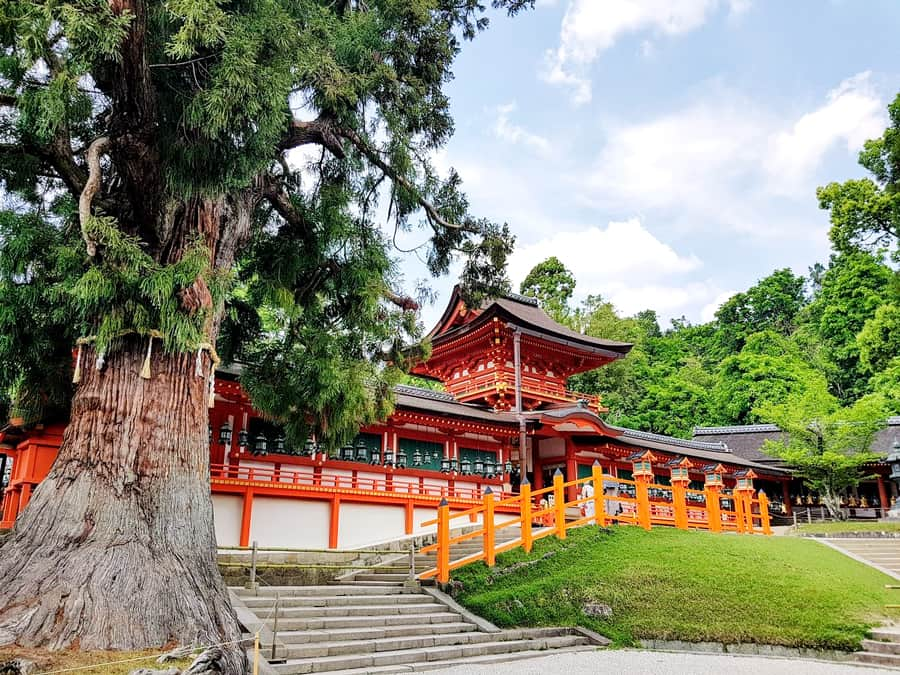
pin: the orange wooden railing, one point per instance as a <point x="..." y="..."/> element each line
<point x="743" y="512"/>
<point x="309" y="477"/>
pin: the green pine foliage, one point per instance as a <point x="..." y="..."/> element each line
<point x="196" y="108"/>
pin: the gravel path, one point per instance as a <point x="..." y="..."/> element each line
<point x="663" y="663"/>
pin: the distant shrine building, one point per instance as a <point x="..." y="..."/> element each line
<point x="505" y="415"/>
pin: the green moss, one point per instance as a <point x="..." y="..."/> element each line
<point x="674" y="585"/>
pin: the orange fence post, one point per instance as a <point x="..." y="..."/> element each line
<point x="764" y="513"/>
<point x="488" y="526"/>
<point x="443" y="542"/>
<point x="738" y="500"/>
<point x="679" y="505"/>
<point x="713" y="509"/>
<point x="643" y="503"/>
<point x="599" y="502"/>
<point x="525" y="496"/>
<point x="559" y="504"/>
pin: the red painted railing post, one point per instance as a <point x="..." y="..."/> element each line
<point x="443" y="542"/>
<point x="713" y="510"/>
<point x="764" y="513"/>
<point x="559" y="504"/>
<point x="488" y="526"/>
<point x="599" y="502"/>
<point x="642" y="495"/>
<point x="525" y="497"/>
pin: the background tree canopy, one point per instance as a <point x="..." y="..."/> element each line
<point x="831" y="336"/>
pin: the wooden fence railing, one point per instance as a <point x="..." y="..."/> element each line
<point x="742" y="511"/>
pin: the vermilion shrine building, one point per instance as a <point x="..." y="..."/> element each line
<point x="504" y="414"/>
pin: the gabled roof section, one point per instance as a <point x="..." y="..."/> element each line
<point x="523" y="312"/>
<point x="573" y="419"/>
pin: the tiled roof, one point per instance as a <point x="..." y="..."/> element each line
<point x="747" y="440"/>
<point x="422" y="392"/>
<point x="680" y="442"/>
<point x="742" y="429"/>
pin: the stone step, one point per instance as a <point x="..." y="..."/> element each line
<point x="880" y="659"/>
<point x="886" y="634"/>
<point x="881" y="647"/>
<point x="415" y="656"/>
<point x="487" y="659"/>
<point x="335" y="590"/>
<point x="380" y="584"/>
<point x="327" y="623"/>
<point x="381" y="576"/>
<point x="362" y="646"/>
<point x="360" y="610"/>
<point x="374" y="633"/>
<point x="267" y="602"/>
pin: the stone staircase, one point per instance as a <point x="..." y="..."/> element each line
<point x="883" y="552"/>
<point x="389" y="570"/>
<point x="883" y="648"/>
<point x="387" y="627"/>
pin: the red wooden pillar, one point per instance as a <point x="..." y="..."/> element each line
<point x="335" y="522"/>
<point x="883" y="498"/>
<point x="571" y="471"/>
<point x="246" y="513"/>
<point x="786" y="497"/>
<point x="409" y="516"/>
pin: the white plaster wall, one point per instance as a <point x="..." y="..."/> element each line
<point x="343" y="476"/>
<point x="227" y="516"/>
<point x="420" y="515"/>
<point x="244" y="473"/>
<point x="366" y="478"/>
<point x="293" y="523"/>
<point x="552" y="447"/>
<point x="363" y="524"/>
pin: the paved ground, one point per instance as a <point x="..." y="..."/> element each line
<point x="663" y="663"/>
<point x="881" y="553"/>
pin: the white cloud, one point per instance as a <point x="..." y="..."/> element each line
<point x="513" y="133"/>
<point x="725" y="159"/>
<point x="624" y="263"/>
<point x="590" y="27"/>
<point x="853" y="113"/>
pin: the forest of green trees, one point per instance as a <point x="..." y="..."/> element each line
<point x="832" y="336"/>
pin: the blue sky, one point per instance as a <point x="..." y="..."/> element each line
<point x="667" y="151"/>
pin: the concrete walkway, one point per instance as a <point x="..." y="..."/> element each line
<point x="663" y="663"/>
<point x="881" y="553"/>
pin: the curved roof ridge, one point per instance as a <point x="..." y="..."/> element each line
<point x="717" y="446"/>
<point x="422" y="392"/>
<point x="735" y="429"/>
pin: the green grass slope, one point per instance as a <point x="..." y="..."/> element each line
<point x="674" y="585"/>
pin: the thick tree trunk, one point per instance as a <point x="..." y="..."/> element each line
<point x="117" y="549"/>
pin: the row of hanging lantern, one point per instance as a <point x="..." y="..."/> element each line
<point x="259" y="444"/>
<point x="362" y="453"/>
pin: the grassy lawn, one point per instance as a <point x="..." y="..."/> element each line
<point x="671" y="584"/>
<point x="846" y="526"/>
<point x="86" y="662"/>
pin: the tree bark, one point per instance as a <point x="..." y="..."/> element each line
<point x="117" y="548"/>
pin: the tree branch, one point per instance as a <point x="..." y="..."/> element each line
<point x="406" y="303"/>
<point x="274" y="193"/>
<point x="97" y="147"/>
<point x="9" y="100"/>
<point x="318" y="131"/>
<point x="370" y="153"/>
